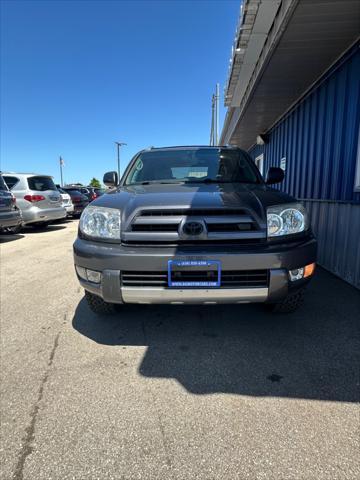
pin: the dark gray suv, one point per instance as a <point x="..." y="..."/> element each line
<point x="10" y="215"/>
<point x="194" y="225"/>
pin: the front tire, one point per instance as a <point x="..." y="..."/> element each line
<point x="97" y="304"/>
<point x="290" y="303"/>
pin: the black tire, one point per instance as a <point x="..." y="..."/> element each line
<point x="291" y="303"/>
<point x="97" y="304"/>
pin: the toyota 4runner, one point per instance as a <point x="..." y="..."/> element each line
<point x="194" y="225"/>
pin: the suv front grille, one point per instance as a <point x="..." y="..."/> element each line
<point x="170" y="227"/>
<point x="166" y="227"/>
<point x="192" y="212"/>
<point x="189" y="244"/>
<point x="229" y="278"/>
<point x="230" y="227"/>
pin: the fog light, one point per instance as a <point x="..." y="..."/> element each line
<point x="88" y="275"/>
<point x="93" y="276"/>
<point x="81" y="271"/>
<point x="296" y="274"/>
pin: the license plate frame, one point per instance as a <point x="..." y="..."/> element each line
<point x="194" y="263"/>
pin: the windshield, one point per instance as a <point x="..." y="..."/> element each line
<point x="203" y="165"/>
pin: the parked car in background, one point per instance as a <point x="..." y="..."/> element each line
<point x="10" y="214"/>
<point x="99" y="191"/>
<point x="37" y="197"/>
<point x="89" y="192"/>
<point x="79" y="200"/>
<point x="66" y="202"/>
<point x="96" y="191"/>
<point x="92" y="195"/>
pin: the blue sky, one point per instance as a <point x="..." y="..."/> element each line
<point x="78" y="75"/>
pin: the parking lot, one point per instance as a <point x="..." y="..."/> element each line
<point x="183" y="392"/>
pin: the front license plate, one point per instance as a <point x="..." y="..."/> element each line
<point x="194" y="273"/>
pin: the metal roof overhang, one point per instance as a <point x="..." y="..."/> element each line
<point x="303" y="40"/>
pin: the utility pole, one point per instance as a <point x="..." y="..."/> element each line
<point x="217" y="99"/>
<point x="212" y="143"/>
<point x="61" y="161"/>
<point x="119" y="144"/>
<point x="214" y="132"/>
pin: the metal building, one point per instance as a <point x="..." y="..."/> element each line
<point x="293" y="98"/>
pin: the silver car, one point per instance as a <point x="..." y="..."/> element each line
<point x="66" y="201"/>
<point x="37" y="197"/>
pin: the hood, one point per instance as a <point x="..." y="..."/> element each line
<point x="229" y="195"/>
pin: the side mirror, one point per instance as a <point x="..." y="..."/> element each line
<point x="111" y="179"/>
<point x="275" y="175"/>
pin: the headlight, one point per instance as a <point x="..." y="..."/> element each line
<point x="100" y="222"/>
<point x="286" y="219"/>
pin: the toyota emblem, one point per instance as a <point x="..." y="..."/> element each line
<point x="193" y="228"/>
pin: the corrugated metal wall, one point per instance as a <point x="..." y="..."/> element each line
<point x="337" y="228"/>
<point x="319" y="139"/>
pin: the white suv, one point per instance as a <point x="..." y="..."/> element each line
<point x="37" y="197"/>
<point x="66" y="202"/>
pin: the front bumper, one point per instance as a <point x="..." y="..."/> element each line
<point x="111" y="259"/>
<point x="35" y="214"/>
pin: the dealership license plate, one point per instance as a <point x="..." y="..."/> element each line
<point x="194" y="273"/>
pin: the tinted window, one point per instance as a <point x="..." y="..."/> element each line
<point x="193" y="166"/>
<point x="41" y="183"/>
<point x="10" y="181"/>
<point x="3" y="185"/>
<point x="73" y="192"/>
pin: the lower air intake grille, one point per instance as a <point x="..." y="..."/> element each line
<point x="229" y="278"/>
<point x="144" y="279"/>
<point x="244" y="278"/>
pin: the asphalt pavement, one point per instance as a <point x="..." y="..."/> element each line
<point x="171" y="392"/>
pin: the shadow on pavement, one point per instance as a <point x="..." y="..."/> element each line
<point x="65" y="221"/>
<point x="8" y="237"/>
<point x="311" y="354"/>
<point x="49" y="228"/>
